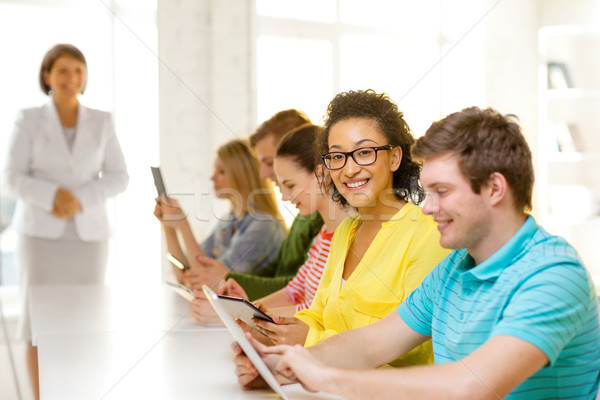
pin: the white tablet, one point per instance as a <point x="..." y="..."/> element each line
<point x="182" y="290"/>
<point x="239" y="336"/>
<point x="177" y="263"/>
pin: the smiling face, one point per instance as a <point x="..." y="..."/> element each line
<point x="219" y="178"/>
<point x="365" y="186"/>
<point x="66" y="77"/>
<point x="298" y="186"/>
<point x="463" y="216"/>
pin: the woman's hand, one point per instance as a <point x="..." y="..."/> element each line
<point x="65" y="204"/>
<point x="285" y="330"/>
<point x="233" y="289"/>
<point x="168" y="212"/>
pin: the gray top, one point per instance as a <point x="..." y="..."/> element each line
<point x="247" y="244"/>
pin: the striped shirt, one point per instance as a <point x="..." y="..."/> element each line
<point x="534" y="288"/>
<point x="301" y="290"/>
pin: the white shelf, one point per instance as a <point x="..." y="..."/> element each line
<point x="564" y="220"/>
<point x="568" y="30"/>
<point x="572" y="157"/>
<point x="568" y="190"/>
<point x="573" y="94"/>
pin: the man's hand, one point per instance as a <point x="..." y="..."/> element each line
<point x="203" y="311"/>
<point x="298" y="365"/>
<point x="285" y="330"/>
<point x="211" y="271"/>
<point x="65" y="204"/>
<point x="193" y="278"/>
<point x="248" y="376"/>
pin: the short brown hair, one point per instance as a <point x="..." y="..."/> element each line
<point x="485" y="142"/>
<point x="54" y="54"/>
<point x="278" y="125"/>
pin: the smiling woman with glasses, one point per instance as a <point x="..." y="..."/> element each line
<point x="379" y="255"/>
<point x="382" y="252"/>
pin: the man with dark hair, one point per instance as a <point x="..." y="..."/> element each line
<point x="511" y="311"/>
<point x="294" y="250"/>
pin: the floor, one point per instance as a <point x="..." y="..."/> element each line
<point x="8" y="389"/>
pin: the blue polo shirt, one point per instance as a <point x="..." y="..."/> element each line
<point x="534" y="288"/>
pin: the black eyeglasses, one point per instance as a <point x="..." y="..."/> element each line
<point x="363" y="156"/>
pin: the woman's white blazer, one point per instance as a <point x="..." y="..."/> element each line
<point x="39" y="162"/>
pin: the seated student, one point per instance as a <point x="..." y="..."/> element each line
<point x="512" y="311"/>
<point x="246" y="238"/>
<point x="378" y="256"/>
<point x="292" y="253"/>
<point x="299" y="177"/>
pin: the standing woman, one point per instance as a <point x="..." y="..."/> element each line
<point x="64" y="161"/>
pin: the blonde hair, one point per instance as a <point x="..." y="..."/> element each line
<point x="242" y="172"/>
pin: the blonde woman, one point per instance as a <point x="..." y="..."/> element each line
<point x="248" y="237"/>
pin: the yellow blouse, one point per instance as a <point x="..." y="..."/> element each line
<point x="405" y="249"/>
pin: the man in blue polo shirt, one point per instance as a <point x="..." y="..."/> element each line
<point x="511" y="312"/>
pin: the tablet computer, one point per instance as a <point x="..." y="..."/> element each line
<point x="182" y="290"/>
<point x="243" y="310"/>
<point x="238" y="335"/>
<point x="177" y="263"/>
<point x="158" y="181"/>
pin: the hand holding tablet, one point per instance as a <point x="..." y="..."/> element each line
<point x="238" y="334"/>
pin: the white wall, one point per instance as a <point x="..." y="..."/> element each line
<point x="206" y="96"/>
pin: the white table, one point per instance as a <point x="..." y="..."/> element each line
<point x="100" y="342"/>
<point x="99" y="308"/>
<point x="145" y="365"/>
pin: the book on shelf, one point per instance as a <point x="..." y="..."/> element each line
<point x="558" y="76"/>
<point x="566" y="136"/>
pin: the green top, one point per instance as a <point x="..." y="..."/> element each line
<point x="283" y="268"/>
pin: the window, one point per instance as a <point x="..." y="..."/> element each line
<point x="426" y="55"/>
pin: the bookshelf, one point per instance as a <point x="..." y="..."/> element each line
<point x="568" y="165"/>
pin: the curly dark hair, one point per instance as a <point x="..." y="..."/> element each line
<point x="390" y="121"/>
